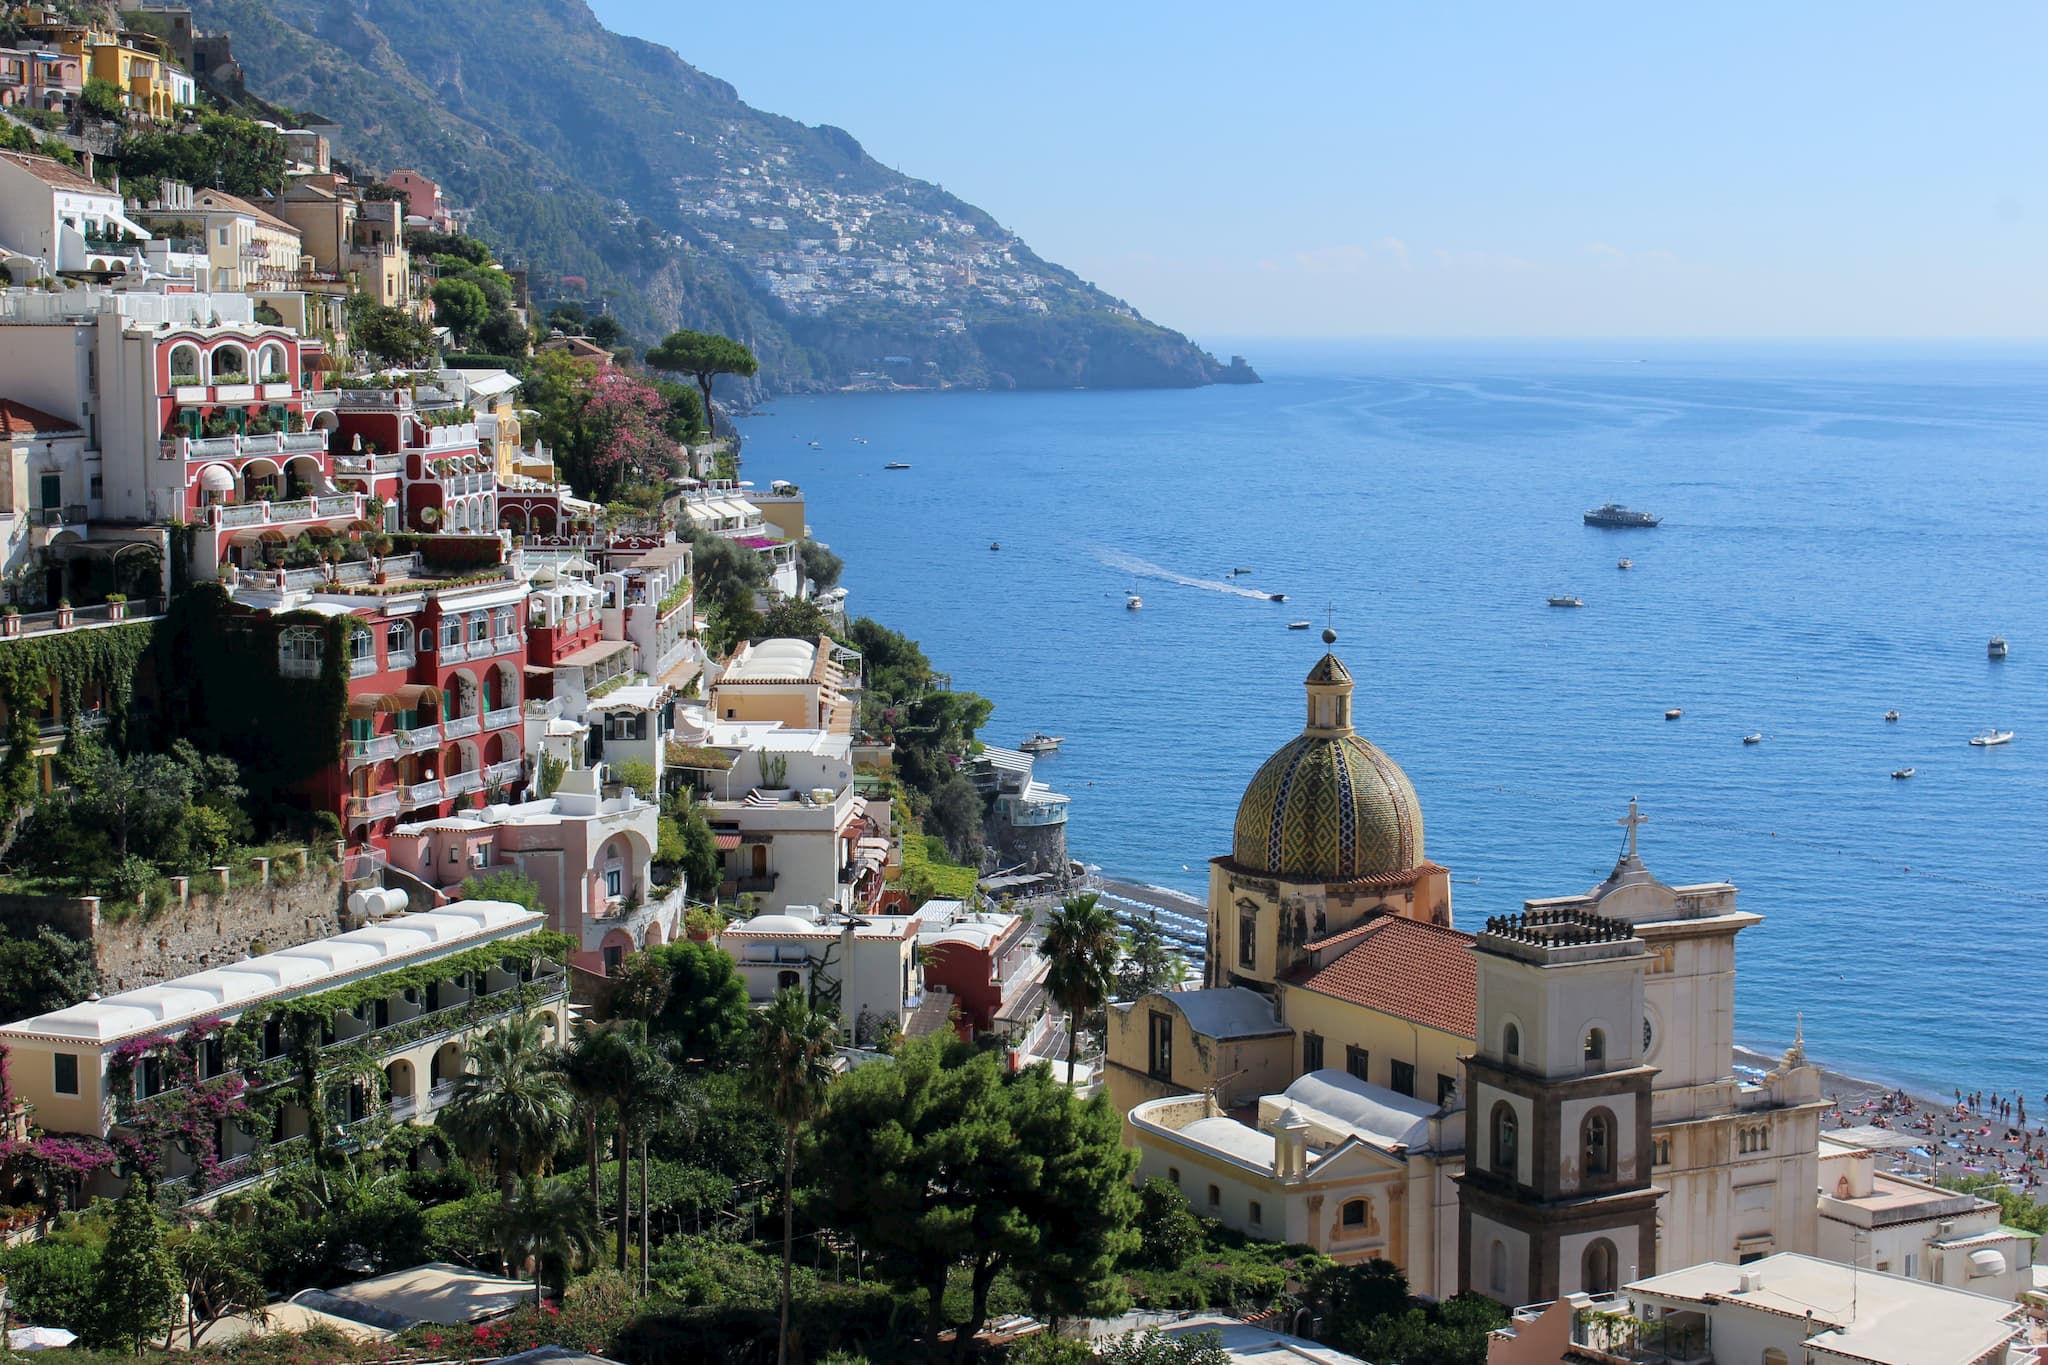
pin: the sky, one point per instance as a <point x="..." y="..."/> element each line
<point x="1470" y="169"/>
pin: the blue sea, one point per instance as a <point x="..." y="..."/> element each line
<point x="1844" y="529"/>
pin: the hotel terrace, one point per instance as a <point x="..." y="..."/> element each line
<point x="232" y="1043"/>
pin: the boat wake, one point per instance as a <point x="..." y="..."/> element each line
<point x="1145" y="568"/>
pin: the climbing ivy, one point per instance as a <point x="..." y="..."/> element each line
<point x="110" y="657"/>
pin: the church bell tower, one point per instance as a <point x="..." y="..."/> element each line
<point x="1556" y="1196"/>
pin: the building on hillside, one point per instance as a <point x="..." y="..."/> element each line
<point x="1026" y="821"/>
<point x="1782" y="1309"/>
<point x="1893" y="1223"/>
<point x="66" y="222"/>
<point x="799" y="683"/>
<point x="493" y="395"/>
<point x="107" y="1068"/>
<point x="590" y="855"/>
<point x="247" y="248"/>
<point x="1328" y="833"/>
<point x="34" y="75"/>
<point x="782" y="507"/>
<point x="1351" y="1169"/>
<point x="631" y="724"/>
<point x="346" y="237"/>
<point x="989" y="971"/>
<point x="727" y="510"/>
<point x="1222" y="1041"/>
<point x="423" y="201"/>
<point x="39" y="448"/>
<point x="416" y="447"/>
<point x="648" y="600"/>
<point x="193" y="411"/>
<point x="435" y="679"/>
<point x="864" y="967"/>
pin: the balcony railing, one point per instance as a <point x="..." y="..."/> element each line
<point x="461" y="727"/>
<point x="337" y="505"/>
<point x="461" y="784"/>
<point x="421" y="793"/>
<point x="368" y="464"/>
<point x="418" y="738"/>
<point x="374" y="807"/>
<point x="371" y="750"/>
<point x="363" y="665"/>
<point x="502" y="717"/>
<point x="764" y="882"/>
<point x="399" y="659"/>
<point x="508" y="771"/>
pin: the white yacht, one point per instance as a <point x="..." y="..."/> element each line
<point x="1133" y="602"/>
<point x="1991" y="737"/>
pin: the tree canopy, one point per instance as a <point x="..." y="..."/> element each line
<point x="962" y="1163"/>
<point x="703" y="356"/>
<point x="706" y="1017"/>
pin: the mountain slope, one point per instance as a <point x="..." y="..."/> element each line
<point x="587" y="154"/>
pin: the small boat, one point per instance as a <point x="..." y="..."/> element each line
<point x="896" y="464"/>
<point x="1625" y="564"/>
<point x="995" y="545"/>
<point x="1673" y="714"/>
<point x="1565" y="600"/>
<point x="1235" y="572"/>
<point x="1991" y="737"/>
<point x="860" y="440"/>
<point x="1042" y="743"/>
<point x="1902" y="773"/>
<point x="817" y="445"/>
<point x="1297" y="625"/>
<point x="1614" y="515"/>
<point x="1752" y="739"/>
<point x="1133" y="602"/>
<point x="1276" y="597"/>
<point x="1996" y="649"/>
<point x="1892" y="716"/>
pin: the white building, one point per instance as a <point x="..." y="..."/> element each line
<point x="1786" y="1309"/>
<point x="864" y="967"/>
<point x="64" y="220"/>
<point x="1889" y="1222"/>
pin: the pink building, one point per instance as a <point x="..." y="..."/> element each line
<point x="423" y="201"/>
<point x="590" y="855"/>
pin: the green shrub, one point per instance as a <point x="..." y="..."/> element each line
<point x="50" y="1284"/>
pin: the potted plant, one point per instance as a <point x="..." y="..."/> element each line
<point x="64" y="616"/>
<point x="117" y="606"/>
<point x="10" y="621"/>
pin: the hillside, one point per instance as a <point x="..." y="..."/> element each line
<point x="593" y="157"/>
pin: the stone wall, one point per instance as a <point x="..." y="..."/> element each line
<point x="1034" y="848"/>
<point x="210" y="927"/>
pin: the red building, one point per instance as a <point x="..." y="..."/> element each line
<point x="416" y="448"/>
<point x="996" y="978"/>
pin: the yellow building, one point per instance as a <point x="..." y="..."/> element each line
<point x="796" y="682"/>
<point x="137" y="63"/>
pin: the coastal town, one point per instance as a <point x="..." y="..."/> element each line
<point x="477" y="888"/>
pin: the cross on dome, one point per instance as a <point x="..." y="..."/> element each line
<point x="1631" y="822"/>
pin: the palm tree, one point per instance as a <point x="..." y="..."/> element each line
<point x="791" y="1066"/>
<point x="650" y="1086"/>
<point x="510" y="1106"/>
<point x="550" y="1223"/>
<point x="1081" y="943"/>
<point x="598" y="1069"/>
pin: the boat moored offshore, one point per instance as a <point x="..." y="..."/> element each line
<point x="1614" y="516"/>
<point x="1991" y="738"/>
<point x="1996" y="649"/>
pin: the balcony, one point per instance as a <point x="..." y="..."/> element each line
<point x="365" y="466"/>
<point x="361" y="751"/>
<point x="420" y="793"/>
<point x="403" y="1107"/>
<point x="499" y="774"/>
<point x="762" y="882"/>
<point x="363" y="665"/>
<point x="461" y="784"/>
<point x="502" y="717"/>
<point x="461" y="727"/>
<point x="375" y="807"/>
<point x="418" y="738"/>
<point x="266" y="513"/>
<point x="399" y="660"/>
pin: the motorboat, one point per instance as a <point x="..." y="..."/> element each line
<point x="995" y="545"/>
<point x="1673" y="714"/>
<point x="1297" y="625"/>
<point x="817" y="445"/>
<point x="1042" y="743"/>
<point x="1902" y="773"/>
<point x="1892" y="716"/>
<point x="1991" y="737"/>
<point x="1276" y="597"/>
<point x="1235" y="572"/>
<point x="860" y="440"/>
<point x="1133" y="602"/>
<point x="1752" y="739"/>
<point x="1565" y="600"/>
<point x="1625" y="564"/>
<point x="1996" y="649"/>
<point x="1614" y="516"/>
<point x="897" y="464"/>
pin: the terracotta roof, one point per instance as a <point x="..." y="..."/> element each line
<point x="19" y="419"/>
<point x="56" y="174"/>
<point x="221" y="199"/>
<point x="1403" y="967"/>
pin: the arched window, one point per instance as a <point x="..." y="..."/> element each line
<point x="1596" y="1048"/>
<point x="230" y="365"/>
<point x="1596" y="1144"/>
<point x="1354" y="1213"/>
<point x="1497" y="1267"/>
<point x="1505" y="1133"/>
<point x="1511" y="1044"/>
<point x="788" y="981"/>
<point x="398" y="639"/>
<point x="1596" y="1269"/>
<point x="185" y="365"/>
<point x="270" y="367"/>
<point x="299" y="651"/>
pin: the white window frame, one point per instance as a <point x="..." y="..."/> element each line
<point x="301" y="650"/>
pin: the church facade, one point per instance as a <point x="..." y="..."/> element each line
<point x="1630" y="1142"/>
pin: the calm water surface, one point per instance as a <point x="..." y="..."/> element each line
<point x="1844" y="529"/>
